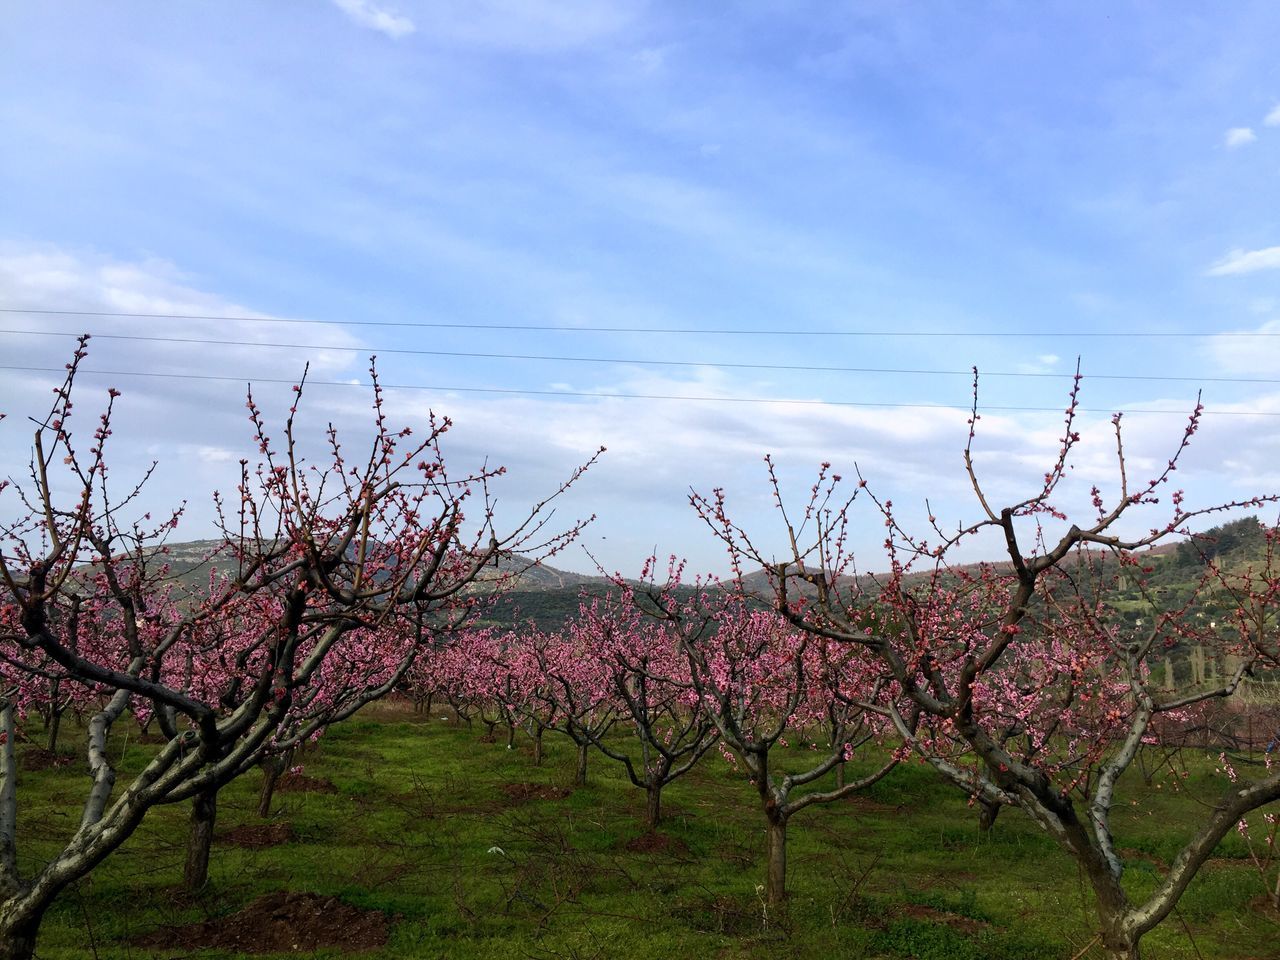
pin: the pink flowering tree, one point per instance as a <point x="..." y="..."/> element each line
<point x="577" y="689"/>
<point x="317" y="556"/>
<point x="470" y="673"/>
<point x="528" y="692"/>
<point x="1252" y="595"/>
<point x="654" y="697"/>
<point x="1031" y="691"/>
<point x="762" y="681"/>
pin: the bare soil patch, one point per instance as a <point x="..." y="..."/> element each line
<point x="254" y="836"/>
<point x="1263" y="904"/>
<point x="526" y="792"/>
<point x="654" y="842"/>
<point x="301" y="783"/>
<point x="282" y="923"/>
<point x="38" y="758"/>
<point x="933" y="915"/>
<point x="402" y="710"/>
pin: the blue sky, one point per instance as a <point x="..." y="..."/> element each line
<point x="1056" y="169"/>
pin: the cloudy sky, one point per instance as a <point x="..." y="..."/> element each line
<point x="693" y="233"/>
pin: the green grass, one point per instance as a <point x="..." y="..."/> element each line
<point x="900" y="873"/>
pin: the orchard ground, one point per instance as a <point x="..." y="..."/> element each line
<point x="408" y="836"/>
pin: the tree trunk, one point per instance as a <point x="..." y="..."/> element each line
<point x="840" y="775"/>
<point x="580" y="775"/>
<point x="1119" y="941"/>
<point x="55" y="721"/>
<point x="271" y="771"/>
<point x="653" y="805"/>
<point x="775" y="885"/>
<point x="537" y="747"/>
<point x="1120" y="949"/>
<point x="18" y="939"/>
<point x="511" y="735"/>
<point x="204" y="810"/>
<point x="987" y="813"/>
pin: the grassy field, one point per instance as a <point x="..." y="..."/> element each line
<point x="475" y="853"/>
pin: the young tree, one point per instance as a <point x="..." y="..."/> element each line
<point x="971" y="649"/>
<point x="654" y="695"/>
<point x="762" y="681"/>
<point x="470" y="674"/>
<point x="318" y="557"/>
<point x="526" y="695"/>
<point x="578" y="692"/>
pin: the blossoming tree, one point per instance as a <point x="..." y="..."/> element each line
<point x="1032" y="691"/>
<point x="316" y="558"/>
<point x="653" y="695"/>
<point x="761" y="681"/>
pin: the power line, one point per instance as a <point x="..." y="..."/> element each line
<point x="982" y="408"/>
<point x="710" y="331"/>
<point x="807" y="368"/>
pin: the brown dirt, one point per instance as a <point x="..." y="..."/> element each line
<point x="282" y="923"/>
<point x="38" y="758"/>
<point x="657" y="843"/>
<point x="255" y="836"/>
<point x="1262" y="904"/>
<point x="525" y="792"/>
<point x="931" y="915"/>
<point x="401" y="710"/>
<point x="301" y="783"/>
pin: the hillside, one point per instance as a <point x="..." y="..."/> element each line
<point x="547" y="595"/>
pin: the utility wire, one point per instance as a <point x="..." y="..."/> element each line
<point x="423" y="324"/>
<point x="808" y="368"/>
<point x="982" y="408"/>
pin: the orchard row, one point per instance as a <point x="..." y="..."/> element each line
<point x="337" y="580"/>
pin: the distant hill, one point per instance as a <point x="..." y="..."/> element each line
<point x="533" y="575"/>
<point x="547" y="596"/>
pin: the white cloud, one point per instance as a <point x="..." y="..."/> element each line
<point x="1043" y="363"/>
<point x="1238" y="353"/>
<point x="369" y="14"/>
<point x="215" y="454"/>
<point x="1246" y="261"/>
<point x="52" y="279"/>
<point x="1273" y="118"/>
<point x="1239" y="137"/>
<point x="657" y="448"/>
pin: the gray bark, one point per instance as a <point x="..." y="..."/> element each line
<point x="776" y="868"/>
<point x="204" y="813"/>
<point x="653" y="805"/>
<point x="18" y="931"/>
